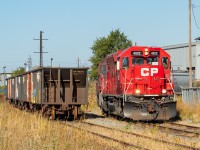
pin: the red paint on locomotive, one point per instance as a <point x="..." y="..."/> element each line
<point x="134" y="77"/>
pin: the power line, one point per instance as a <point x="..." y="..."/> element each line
<point x="193" y="6"/>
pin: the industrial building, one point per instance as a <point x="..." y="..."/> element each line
<point x="180" y="58"/>
<point x="180" y="63"/>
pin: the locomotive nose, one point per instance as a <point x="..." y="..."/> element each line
<point x="149" y="80"/>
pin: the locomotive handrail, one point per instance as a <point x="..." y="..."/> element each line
<point x="170" y="84"/>
<point x="128" y="85"/>
<point x="125" y="81"/>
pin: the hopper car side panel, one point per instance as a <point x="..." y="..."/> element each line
<point x="50" y="90"/>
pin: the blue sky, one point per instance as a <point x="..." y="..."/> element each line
<point x="73" y="25"/>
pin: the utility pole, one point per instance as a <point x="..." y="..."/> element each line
<point x="78" y="60"/>
<point x="51" y="62"/>
<point x="190" y="43"/>
<point x="41" y="51"/>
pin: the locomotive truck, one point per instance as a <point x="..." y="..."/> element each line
<point x="51" y="91"/>
<point x="136" y="83"/>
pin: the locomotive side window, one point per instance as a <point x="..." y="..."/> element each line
<point x="138" y="61"/>
<point x="103" y="69"/>
<point x="125" y="62"/>
<point x="165" y="62"/>
<point x="152" y="61"/>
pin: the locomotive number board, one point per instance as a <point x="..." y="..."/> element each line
<point x="154" y="53"/>
<point x="136" y="53"/>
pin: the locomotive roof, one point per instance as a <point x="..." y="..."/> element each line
<point x="132" y="48"/>
<point x="120" y="53"/>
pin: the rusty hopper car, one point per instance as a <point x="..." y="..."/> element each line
<point x="51" y="91"/>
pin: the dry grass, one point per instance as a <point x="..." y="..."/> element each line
<point x="92" y="95"/>
<point x="20" y="130"/>
<point x="186" y="111"/>
<point x="92" y="101"/>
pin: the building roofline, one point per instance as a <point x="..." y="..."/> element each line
<point x="179" y="46"/>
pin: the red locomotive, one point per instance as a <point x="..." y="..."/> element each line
<point x="136" y="83"/>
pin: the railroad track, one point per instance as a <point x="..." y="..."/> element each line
<point x="183" y="130"/>
<point x="187" y="131"/>
<point x="172" y="128"/>
<point x="80" y="126"/>
<point x="125" y="138"/>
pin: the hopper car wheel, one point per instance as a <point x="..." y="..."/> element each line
<point x="69" y="115"/>
<point x="26" y="108"/>
<point x="75" y="112"/>
<point x="53" y="114"/>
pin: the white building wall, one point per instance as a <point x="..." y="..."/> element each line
<point x="197" y="56"/>
<point x="180" y="57"/>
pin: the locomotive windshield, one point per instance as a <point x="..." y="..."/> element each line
<point x="140" y="61"/>
<point x="152" y="61"/>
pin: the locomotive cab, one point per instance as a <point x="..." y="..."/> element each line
<point x="136" y="83"/>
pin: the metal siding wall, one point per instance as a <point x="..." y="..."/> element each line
<point x="178" y="58"/>
<point x="191" y="96"/>
<point x="179" y="55"/>
<point x="197" y="56"/>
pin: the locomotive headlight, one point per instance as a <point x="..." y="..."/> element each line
<point x="164" y="91"/>
<point x="146" y="51"/>
<point x="137" y="91"/>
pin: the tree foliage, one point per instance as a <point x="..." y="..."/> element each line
<point x="103" y="46"/>
<point x="18" y="71"/>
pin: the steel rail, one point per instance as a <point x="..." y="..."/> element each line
<point x="146" y="137"/>
<point x="106" y="137"/>
<point x="180" y="130"/>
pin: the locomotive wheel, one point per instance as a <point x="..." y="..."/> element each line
<point x="105" y="113"/>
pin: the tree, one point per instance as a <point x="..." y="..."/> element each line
<point x="18" y="71"/>
<point x="104" y="46"/>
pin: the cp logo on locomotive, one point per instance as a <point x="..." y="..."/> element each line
<point x="148" y="71"/>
